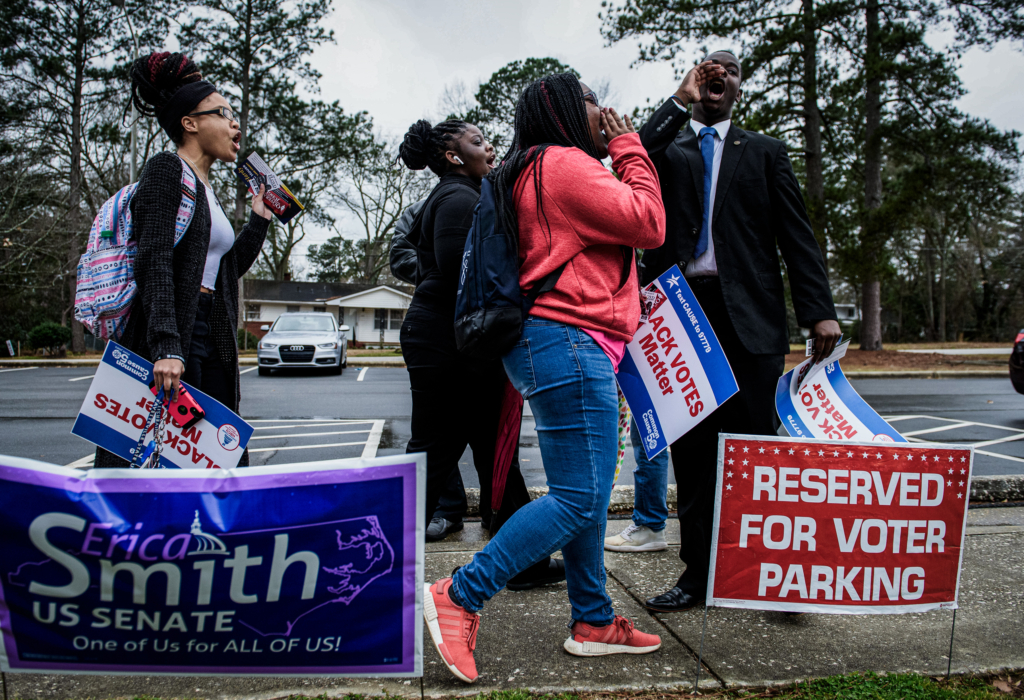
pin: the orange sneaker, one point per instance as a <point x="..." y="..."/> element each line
<point x="453" y="629"/>
<point x="620" y="637"/>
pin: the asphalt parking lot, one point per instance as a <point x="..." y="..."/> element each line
<point x="302" y="416"/>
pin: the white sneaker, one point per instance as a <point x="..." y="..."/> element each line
<point x="636" y="538"/>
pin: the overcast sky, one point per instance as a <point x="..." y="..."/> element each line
<point x="393" y="58"/>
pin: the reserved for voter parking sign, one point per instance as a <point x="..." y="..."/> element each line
<point x="674" y="373"/>
<point x="838" y="527"/>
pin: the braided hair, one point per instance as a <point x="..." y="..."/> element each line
<point x="424" y="145"/>
<point x="154" y="81"/>
<point x="549" y="112"/>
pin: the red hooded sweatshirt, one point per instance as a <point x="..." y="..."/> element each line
<point x="591" y="215"/>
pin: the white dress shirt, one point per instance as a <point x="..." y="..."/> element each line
<point x="705" y="265"/>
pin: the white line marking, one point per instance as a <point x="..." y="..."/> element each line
<point x="18" y="369"/>
<point x="309" y="425"/>
<point x="305" y="447"/>
<point x="996" y="454"/>
<point x="362" y="373"/>
<point x="250" y="369"/>
<point x="83" y="463"/>
<point x="303" y="420"/>
<point x="373" y="440"/>
<point x="996" y="442"/>
<point x="939" y="429"/>
<point x="78" y="379"/>
<point x="302" y="435"/>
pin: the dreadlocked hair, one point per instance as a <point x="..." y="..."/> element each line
<point x="550" y="112"/>
<point x="156" y="77"/>
<point x="424" y="145"/>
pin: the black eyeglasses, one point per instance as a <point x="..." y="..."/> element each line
<point x="593" y="97"/>
<point x="225" y="112"/>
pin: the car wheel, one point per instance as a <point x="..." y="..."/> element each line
<point x="263" y="371"/>
<point x="336" y="370"/>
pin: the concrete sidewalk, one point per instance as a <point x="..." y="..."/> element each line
<point x="521" y="634"/>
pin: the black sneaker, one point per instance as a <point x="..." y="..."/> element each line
<point x="439" y="528"/>
<point x="543" y="573"/>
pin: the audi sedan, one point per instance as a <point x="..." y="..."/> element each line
<point x="303" y="340"/>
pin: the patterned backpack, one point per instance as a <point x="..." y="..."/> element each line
<point x="106" y="272"/>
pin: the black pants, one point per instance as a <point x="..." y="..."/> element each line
<point x="204" y="370"/>
<point x="695" y="455"/>
<point x="455" y="404"/>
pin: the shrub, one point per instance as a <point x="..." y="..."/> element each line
<point x="253" y="340"/>
<point x="49" y="335"/>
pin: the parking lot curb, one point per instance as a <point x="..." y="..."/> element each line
<point x="374" y="361"/>
<point x="984" y="489"/>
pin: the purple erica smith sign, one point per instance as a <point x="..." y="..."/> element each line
<point x="305" y="569"/>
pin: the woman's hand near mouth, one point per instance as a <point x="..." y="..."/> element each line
<point x="696" y="78"/>
<point x="612" y="125"/>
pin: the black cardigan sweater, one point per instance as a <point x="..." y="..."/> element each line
<point x="169" y="276"/>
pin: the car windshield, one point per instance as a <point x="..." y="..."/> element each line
<point x="316" y="324"/>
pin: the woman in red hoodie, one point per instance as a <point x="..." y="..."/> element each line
<point x="568" y="210"/>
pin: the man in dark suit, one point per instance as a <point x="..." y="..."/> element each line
<point x="731" y="204"/>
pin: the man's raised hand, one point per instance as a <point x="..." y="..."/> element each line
<point x="697" y="77"/>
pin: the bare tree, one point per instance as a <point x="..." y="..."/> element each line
<point x="379" y="188"/>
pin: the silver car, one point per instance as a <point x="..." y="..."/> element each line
<point x="303" y="340"/>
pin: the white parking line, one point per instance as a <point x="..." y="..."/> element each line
<point x="78" y="379"/>
<point x="250" y="369"/>
<point x="17" y="369"/>
<point x="996" y="454"/>
<point x="941" y="428"/>
<point x="83" y="463"/>
<point x="956" y="424"/>
<point x="307" y="447"/>
<point x="302" y="420"/>
<point x="298" y="435"/>
<point x="362" y="373"/>
<point x="373" y="440"/>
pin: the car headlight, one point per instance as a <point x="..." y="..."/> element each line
<point x="267" y="346"/>
<point x="328" y="346"/>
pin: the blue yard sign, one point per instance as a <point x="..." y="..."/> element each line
<point x="674" y="373"/>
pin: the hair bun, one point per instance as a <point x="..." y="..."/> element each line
<point x="415" y="148"/>
<point x="156" y="77"/>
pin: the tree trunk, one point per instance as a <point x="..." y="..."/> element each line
<point x="812" y="131"/>
<point x="243" y="142"/>
<point x="871" y="326"/>
<point x="871" y="323"/>
<point x="75" y="178"/>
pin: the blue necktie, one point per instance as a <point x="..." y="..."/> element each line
<point x="707" y="153"/>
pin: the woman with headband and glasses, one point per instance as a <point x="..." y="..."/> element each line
<point x="185" y="311"/>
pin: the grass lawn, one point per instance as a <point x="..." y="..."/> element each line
<point x="854" y="686"/>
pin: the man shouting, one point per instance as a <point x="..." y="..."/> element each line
<point x="732" y="204"/>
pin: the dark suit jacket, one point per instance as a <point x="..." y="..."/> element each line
<point x="758" y="211"/>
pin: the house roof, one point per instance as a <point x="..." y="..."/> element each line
<point x="298" y="292"/>
<point x="346" y="299"/>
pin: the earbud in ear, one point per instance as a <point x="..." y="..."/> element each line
<point x="459" y="160"/>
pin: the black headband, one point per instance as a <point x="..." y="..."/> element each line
<point x="181" y="104"/>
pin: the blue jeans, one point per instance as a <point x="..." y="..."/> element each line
<point x="571" y="388"/>
<point x="651" y="485"/>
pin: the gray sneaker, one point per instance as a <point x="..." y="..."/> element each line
<point x="636" y="538"/>
<point x="439" y="528"/>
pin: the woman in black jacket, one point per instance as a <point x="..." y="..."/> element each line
<point x="455" y="402"/>
<point x="185" y="311"/>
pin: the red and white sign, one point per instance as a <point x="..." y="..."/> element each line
<point x="838" y="527"/>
